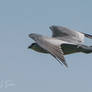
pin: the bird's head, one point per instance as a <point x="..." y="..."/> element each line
<point x="34" y="46"/>
<point x="33" y="36"/>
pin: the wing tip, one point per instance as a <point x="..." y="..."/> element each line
<point x="88" y="35"/>
<point x="66" y="65"/>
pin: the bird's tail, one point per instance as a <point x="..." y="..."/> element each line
<point x="88" y="35"/>
<point x="87" y="49"/>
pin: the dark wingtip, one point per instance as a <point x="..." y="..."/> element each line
<point x="52" y="27"/>
<point x="87" y="35"/>
<point x="66" y="66"/>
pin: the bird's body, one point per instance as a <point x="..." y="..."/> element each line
<point x="63" y="42"/>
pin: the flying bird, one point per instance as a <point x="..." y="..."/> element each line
<point x="64" y="41"/>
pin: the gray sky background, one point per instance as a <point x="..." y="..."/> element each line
<point x="34" y="72"/>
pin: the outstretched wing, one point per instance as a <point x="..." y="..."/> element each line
<point x="57" y="53"/>
<point x="50" y="46"/>
<point x="65" y="34"/>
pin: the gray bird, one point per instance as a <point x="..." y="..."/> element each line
<point x="64" y="41"/>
